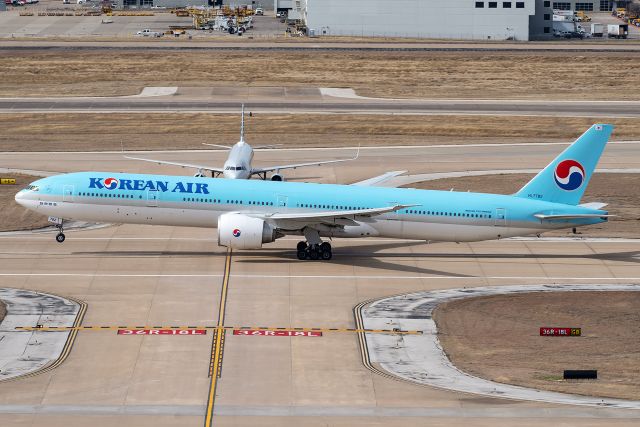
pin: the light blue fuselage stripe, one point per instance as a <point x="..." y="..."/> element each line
<point x="297" y="196"/>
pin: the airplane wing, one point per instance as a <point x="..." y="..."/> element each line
<point x="184" y="165"/>
<point x="263" y="147"/>
<point x="572" y="216"/>
<point x="380" y="179"/>
<point x="256" y="171"/>
<point x="217" y="145"/>
<point x="340" y="218"/>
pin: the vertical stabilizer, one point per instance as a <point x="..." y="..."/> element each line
<point x="565" y="179"/>
<point x="242" y="124"/>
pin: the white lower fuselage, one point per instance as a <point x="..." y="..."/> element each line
<point x="202" y="215"/>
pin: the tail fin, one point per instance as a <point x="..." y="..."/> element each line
<point x="566" y="178"/>
<point x="242" y="124"/>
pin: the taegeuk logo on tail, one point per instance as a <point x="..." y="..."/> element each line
<point x="569" y="175"/>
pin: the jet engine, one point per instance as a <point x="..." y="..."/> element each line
<point x="277" y="177"/>
<point x="239" y="231"/>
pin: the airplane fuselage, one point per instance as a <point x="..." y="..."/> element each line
<point x="199" y="202"/>
<point x="238" y="163"/>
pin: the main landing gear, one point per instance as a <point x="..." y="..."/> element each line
<point x="60" y="236"/>
<point x="314" y="248"/>
<point x="314" y="252"/>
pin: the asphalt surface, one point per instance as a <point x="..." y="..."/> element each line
<point x="323" y="45"/>
<point x="446" y="107"/>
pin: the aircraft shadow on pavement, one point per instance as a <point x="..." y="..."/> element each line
<point x="369" y="256"/>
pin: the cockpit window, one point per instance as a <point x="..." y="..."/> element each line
<point x="33" y="188"/>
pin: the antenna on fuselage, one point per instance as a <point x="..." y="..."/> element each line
<point x="242" y="125"/>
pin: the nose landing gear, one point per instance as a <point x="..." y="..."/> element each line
<point x="60" y="236"/>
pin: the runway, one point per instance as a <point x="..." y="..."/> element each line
<point x="614" y="109"/>
<point x="311" y="100"/>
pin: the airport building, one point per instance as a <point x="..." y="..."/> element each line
<point x="451" y="19"/>
<point x="147" y="4"/>
<point x="588" y="6"/>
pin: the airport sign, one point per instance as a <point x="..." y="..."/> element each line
<point x="162" y="332"/>
<point x="560" y="332"/>
<point x="283" y="333"/>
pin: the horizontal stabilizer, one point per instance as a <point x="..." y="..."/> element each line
<point x="593" y="205"/>
<point x="226" y="147"/>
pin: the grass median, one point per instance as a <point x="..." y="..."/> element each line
<point x="407" y="74"/>
<point x="145" y="131"/>
<point x="497" y="338"/>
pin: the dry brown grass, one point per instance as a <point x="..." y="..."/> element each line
<point x="498" y="338"/>
<point x="621" y="191"/>
<point x="542" y="75"/>
<point x="14" y="216"/>
<point x="95" y="132"/>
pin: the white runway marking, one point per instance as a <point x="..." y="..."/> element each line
<point x="496" y="411"/>
<point x="350" y="93"/>
<point x="45" y="235"/>
<point x="327" y="277"/>
<point x="350" y="148"/>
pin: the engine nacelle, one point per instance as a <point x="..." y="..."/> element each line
<point x="277" y="177"/>
<point x="239" y="231"/>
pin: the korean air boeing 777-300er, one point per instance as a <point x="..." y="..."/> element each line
<point x="250" y="213"/>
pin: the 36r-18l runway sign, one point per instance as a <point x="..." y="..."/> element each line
<point x="162" y="332"/>
<point x="560" y="332"/>
<point x="259" y="332"/>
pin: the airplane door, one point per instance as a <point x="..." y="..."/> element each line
<point x="67" y="193"/>
<point x="152" y="198"/>
<point x="282" y="201"/>
<point x="501" y="217"/>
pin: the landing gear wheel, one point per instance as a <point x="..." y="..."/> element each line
<point x="301" y="246"/>
<point x="314" y="254"/>
<point x="302" y="255"/>
<point x="325" y="247"/>
<point x="326" y="255"/>
<point x="60" y="237"/>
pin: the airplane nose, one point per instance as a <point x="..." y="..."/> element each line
<point x="22" y="198"/>
<point x="19" y="197"/>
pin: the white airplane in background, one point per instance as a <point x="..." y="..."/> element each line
<point x="238" y="163"/>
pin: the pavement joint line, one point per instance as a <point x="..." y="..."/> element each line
<point x="218" y="328"/>
<point x="329" y="277"/>
<point x="215" y="367"/>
